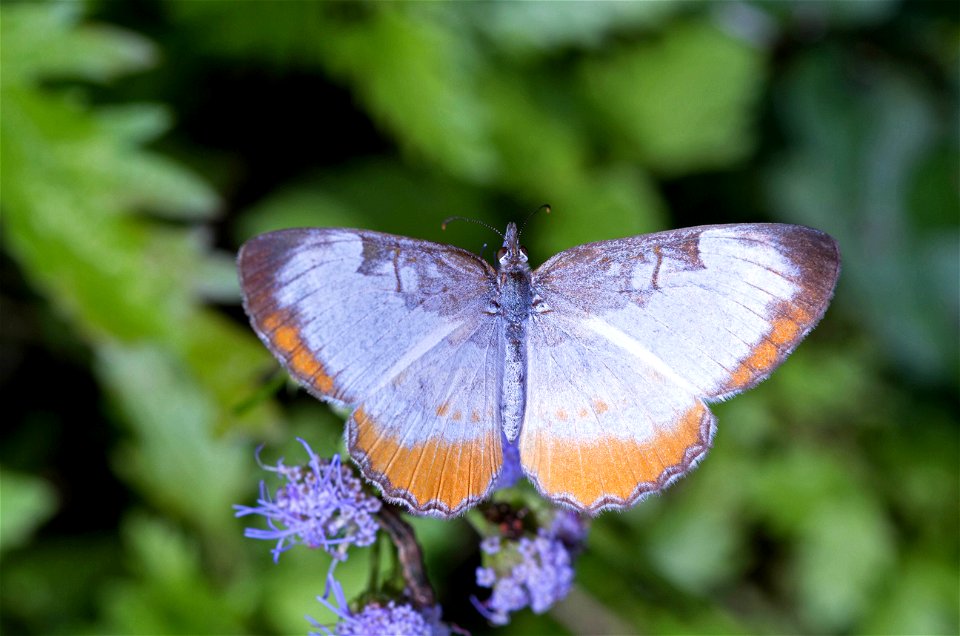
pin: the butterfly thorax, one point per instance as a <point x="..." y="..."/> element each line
<point x="515" y="299"/>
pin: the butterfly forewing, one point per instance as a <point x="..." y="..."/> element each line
<point x="346" y="309"/>
<point x="720" y="306"/>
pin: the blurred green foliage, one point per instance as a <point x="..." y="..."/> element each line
<point x="143" y="142"/>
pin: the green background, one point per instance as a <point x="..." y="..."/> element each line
<point x="143" y="142"/>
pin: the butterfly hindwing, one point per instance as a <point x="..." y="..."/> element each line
<point x="604" y="426"/>
<point x="430" y="438"/>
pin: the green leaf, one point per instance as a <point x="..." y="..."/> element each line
<point x="413" y="74"/>
<point x="859" y="148"/>
<point x="25" y="503"/>
<point x="52" y="587"/>
<point x="845" y="554"/>
<point x="170" y="593"/>
<point x="560" y="24"/>
<point x="681" y="102"/>
<point x="377" y="194"/>
<point x="175" y="460"/>
<point x="65" y="195"/>
<point x="818" y="388"/>
<point x="42" y="40"/>
<point x="134" y="123"/>
<point x="788" y="486"/>
<point x="920" y="599"/>
<point x="698" y="544"/>
<point x="74" y="180"/>
<point x="418" y="80"/>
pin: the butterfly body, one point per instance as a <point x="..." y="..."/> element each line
<point x="514" y="303"/>
<point x="596" y="367"/>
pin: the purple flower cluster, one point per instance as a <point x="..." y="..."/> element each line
<point x="532" y="571"/>
<point x="321" y="505"/>
<point x="379" y="618"/>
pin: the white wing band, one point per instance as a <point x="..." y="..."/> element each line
<point x="417" y="351"/>
<point x="631" y="345"/>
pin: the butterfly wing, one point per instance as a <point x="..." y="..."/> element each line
<point x="396" y="328"/>
<point x="604" y="426"/>
<point x="431" y="437"/>
<point x="630" y="337"/>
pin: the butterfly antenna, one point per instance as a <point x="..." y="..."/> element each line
<point x="443" y="226"/>
<point x="545" y="207"/>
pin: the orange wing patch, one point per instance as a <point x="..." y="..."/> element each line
<point x="430" y="477"/>
<point x="615" y="472"/>
<point x="786" y="330"/>
<point x="304" y="365"/>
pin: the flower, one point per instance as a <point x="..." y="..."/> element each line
<point x="569" y="527"/>
<point x="490" y="545"/>
<point x="388" y="619"/>
<point x="531" y="571"/>
<point x="321" y="505"/>
<point x="379" y="618"/>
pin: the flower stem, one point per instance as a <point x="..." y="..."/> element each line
<point x="409" y="554"/>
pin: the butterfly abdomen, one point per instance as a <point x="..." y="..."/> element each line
<point x="515" y="303"/>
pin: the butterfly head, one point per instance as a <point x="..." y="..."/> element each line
<point x="512" y="255"/>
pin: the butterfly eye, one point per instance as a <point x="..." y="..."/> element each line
<point x="501" y="253"/>
<point x="523" y="250"/>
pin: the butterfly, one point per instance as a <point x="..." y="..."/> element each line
<point x="596" y="368"/>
